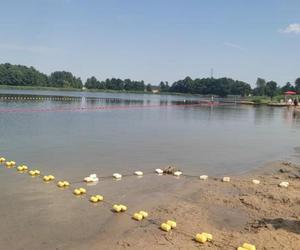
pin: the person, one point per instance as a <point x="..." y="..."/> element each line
<point x="296" y="102"/>
<point x="290" y="101"/>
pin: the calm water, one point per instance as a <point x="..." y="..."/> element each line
<point x="198" y="139"/>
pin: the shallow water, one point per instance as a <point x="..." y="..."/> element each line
<point x="212" y="139"/>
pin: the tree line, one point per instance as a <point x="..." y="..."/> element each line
<point x="19" y="75"/>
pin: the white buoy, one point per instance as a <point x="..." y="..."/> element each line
<point x="91" y="178"/>
<point x="177" y="173"/>
<point x="284" y="184"/>
<point x="256" y="182"/>
<point x="226" y="179"/>
<point x="159" y="171"/>
<point x="203" y="177"/>
<point x="138" y="173"/>
<point x="117" y="176"/>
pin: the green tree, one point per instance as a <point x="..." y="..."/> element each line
<point x="271" y="89"/>
<point x="260" y="86"/>
<point x="287" y="87"/>
<point x="297" y="85"/>
<point x="149" y="88"/>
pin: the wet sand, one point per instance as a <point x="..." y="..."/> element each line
<point x="35" y="215"/>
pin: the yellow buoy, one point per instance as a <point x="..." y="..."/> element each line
<point x="117" y="208"/>
<point x="201" y="238"/>
<point x="123" y="208"/>
<point x="60" y="184"/>
<point x="99" y="197"/>
<point x="46" y="178"/>
<point x="37" y="172"/>
<point x="208" y="236"/>
<point x="82" y="190"/>
<point x="66" y="183"/>
<point x="13" y="163"/>
<point x="94" y="199"/>
<point x="144" y="214"/>
<point x="249" y="246"/>
<point x="2" y="159"/>
<point x="20" y="168"/>
<point x="51" y="177"/>
<point x="165" y="227"/>
<point x="25" y="168"/>
<point x="171" y="223"/>
<point x="8" y="164"/>
<point x="31" y="172"/>
<point x="137" y="216"/>
<point x="76" y="191"/>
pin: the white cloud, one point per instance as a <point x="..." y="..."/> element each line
<point x="293" y="28"/>
<point x="234" y="46"/>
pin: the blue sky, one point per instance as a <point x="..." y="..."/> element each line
<point x="154" y="40"/>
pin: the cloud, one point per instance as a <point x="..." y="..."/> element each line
<point x="234" y="46"/>
<point x="32" y="49"/>
<point x="293" y="28"/>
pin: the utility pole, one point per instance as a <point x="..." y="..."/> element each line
<point x="212" y="73"/>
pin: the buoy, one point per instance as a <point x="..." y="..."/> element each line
<point x="208" y="236"/>
<point x="165" y="227"/>
<point x="123" y="208"/>
<point x="34" y="172"/>
<point x="46" y="178"/>
<point x="201" y="238"/>
<point x="171" y="223"/>
<point x="177" y="173"/>
<point x="94" y="199"/>
<point x="8" y="164"/>
<point x="284" y="184"/>
<point x="63" y="184"/>
<point x="137" y="216"/>
<point x="159" y="171"/>
<point x="13" y="163"/>
<point x="256" y="182"/>
<point x="60" y="184"/>
<point x="117" y="208"/>
<point x="226" y="179"/>
<point x="117" y="176"/>
<point x="144" y="214"/>
<point x="77" y="192"/>
<point x="2" y="159"/>
<point x="91" y="178"/>
<point x="138" y="173"/>
<point x="203" y="177"/>
<point x="249" y="246"/>
<point x="22" y="168"/>
<point x="66" y="183"/>
<point x="99" y="197"/>
<point x="82" y="190"/>
<point x="51" y="177"/>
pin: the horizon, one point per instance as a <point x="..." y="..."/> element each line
<point x="156" y="41"/>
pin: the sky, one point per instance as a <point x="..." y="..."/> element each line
<point x="154" y="40"/>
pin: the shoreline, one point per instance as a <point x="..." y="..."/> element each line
<point x="234" y="212"/>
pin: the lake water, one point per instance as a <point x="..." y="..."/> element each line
<point x="75" y="137"/>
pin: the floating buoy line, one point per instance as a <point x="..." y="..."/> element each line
<point x="167" y="226"/>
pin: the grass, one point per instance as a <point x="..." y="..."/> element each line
<point x="37" y="88"/>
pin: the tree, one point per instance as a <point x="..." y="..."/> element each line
<point x="271" y="89"/>
<point x="297" y="85"/>
<point x="93" y="83"/>
<point x="260" y="86"/>
<point x="149" y="88"/>
<point x="63" y="79"/>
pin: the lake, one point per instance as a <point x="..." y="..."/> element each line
<point x="74" y="136"/>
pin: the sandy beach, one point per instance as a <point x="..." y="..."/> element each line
<point x="234" y="212"/>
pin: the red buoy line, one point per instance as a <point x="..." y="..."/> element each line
<point x="97" y="108"/>
<point x="154" y="222"/>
